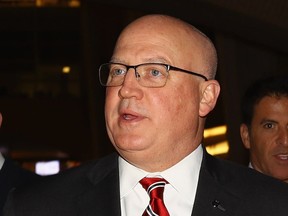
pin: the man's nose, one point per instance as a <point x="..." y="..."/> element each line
<point x="283" y="136"/>
<point x="130" y="76"/>
<point x="131" y="87"/>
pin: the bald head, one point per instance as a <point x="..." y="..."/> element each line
<point x="143" y="122"/>
<point x="180" y="38"/>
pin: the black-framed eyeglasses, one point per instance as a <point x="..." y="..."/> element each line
<point x="150" y="75"/>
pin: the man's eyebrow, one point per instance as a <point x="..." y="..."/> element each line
<point x="156" y="60"/>
<point x="115" y="60"/>
<point x="145" y="60"/>
<point x="265" y="120"/>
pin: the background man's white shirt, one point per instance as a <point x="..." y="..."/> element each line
<point x="2" y="159"/>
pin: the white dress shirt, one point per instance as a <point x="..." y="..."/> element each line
<point x="179" y="194"/>
<point x="2" y="159"/>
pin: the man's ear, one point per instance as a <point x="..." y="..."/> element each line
<point x="209" y="92"/>
<point x="244" y="133"/>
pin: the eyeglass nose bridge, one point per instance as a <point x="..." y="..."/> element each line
<point x="137" y="75"/>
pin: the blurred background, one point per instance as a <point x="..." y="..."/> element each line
<point x="50" y="50"/>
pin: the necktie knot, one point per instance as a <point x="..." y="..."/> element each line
<point x="155" y="189"/>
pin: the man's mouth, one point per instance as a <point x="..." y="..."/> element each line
<point x="129" y="117"/>
<point x="282" y="156"/>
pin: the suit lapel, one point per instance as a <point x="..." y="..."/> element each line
<point x="102" y="197"/>
<point x="212" y="197"/>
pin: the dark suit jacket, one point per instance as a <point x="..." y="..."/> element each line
<point x="93" y="189"/>
<point x="11" y="176"/>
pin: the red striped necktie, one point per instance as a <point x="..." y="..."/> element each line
<point x="155" y="189"/>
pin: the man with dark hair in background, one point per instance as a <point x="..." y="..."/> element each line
<point x="264" y="129"/>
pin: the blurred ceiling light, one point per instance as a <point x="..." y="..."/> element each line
<point x="219" y="148"/>
<point x="41" y="3"/>
<point x="74" y="3"/>
<point x="55" y="3"/>
<point x="215" y="131"/>
<point x="66" y="69"/>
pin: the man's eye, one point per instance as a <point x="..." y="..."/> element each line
<point x="268" y="125"/>
<point x="155" y="72"/>
<point x="117" y="72"/>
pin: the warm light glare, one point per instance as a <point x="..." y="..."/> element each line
<point x="43" y="3"/>
<point x="216" y="131"/>
<point x="74" y="3"/>
<point x="66" y="69"/>
<point x="219" y="148"/>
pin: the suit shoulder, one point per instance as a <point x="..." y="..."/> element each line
<point x="74" y="179"/>
<point x="66" y="193"/>
<point x="245" y="179"/>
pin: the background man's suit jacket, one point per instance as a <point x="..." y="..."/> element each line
<point x="93" y="189"/>
<point x="11" y="176"/>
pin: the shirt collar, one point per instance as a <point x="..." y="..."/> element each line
<point x="129" y="176"/>
<point x="183" y="176"/>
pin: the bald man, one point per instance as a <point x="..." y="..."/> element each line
<point x="160" y="87"/>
